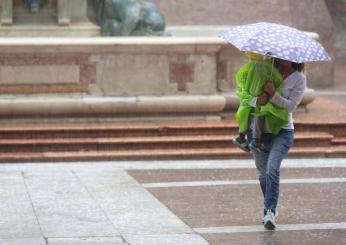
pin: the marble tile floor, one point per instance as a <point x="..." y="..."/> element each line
<point x="169" y="202"/>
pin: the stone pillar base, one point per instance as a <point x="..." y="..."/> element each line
<point x="73" y="30"/>
<point x="77" y="104"/>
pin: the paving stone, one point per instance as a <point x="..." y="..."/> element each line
<point x="99" y="203"/>
<point x="87" y="241"/>
<point x="313" y="237"/>
<point x="17" y="217"/>
<point x="105" y="166"/>
<point x="182" y="175"/>
<point x="186" y="239"/>
<point x="23" y="241"/>
<point x="226" y="205"/>
<point x="65" y="208"/>
<point x="131" y="208"/>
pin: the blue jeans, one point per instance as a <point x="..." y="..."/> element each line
<point x="268" y="164"/>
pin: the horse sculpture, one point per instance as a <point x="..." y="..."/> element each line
<point x="129" y="18"/>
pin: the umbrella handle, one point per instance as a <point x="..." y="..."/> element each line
<point x="271" y="71"/>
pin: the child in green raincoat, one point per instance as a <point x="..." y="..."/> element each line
<point x="250" y="80"/>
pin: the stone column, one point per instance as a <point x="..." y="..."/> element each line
<point x="6" y="12"/>
<point x="79" y="12"/>
<point x="64" y="12"/>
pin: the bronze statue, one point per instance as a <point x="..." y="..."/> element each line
<point x="34" y="5"/>
<point x="129" y="18"/>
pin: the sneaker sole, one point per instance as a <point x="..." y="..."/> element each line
<point x="269" y="226"/>
<point x="240" y="146"/>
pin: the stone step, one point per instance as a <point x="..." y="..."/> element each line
<point x="312" y="139"/>
<point x="204" y="153"/>
<point x="27" y="20"/>
<point x="339" y="141"/>
<point x="24" y="11"/>
<point x="86" y="126"/>
<point x="116" y="143"/>
<point x="319" y="152"/>
<point x="24" y="131"/>
<point x="143" y="142"/>
<point x="71" y="130"/>
<point x="23" y="16"/>
<point x="336" y="129"/>
<point x="154" y="154"/>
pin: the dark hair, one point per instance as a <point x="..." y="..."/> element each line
<point x="298" y="66"/>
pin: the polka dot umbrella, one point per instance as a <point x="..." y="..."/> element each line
<point x="276" y="40"/>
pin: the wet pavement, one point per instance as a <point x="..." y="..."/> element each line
<point x="169" y="202"/>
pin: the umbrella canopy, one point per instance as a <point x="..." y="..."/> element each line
<point x="276" y="40"/>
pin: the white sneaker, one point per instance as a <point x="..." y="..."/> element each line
<point x="276" y="216"/>
<point x="269" y="221"/>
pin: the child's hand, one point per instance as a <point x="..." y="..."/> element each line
<point x="262" y="99"/>
<point x="269" y="88"/>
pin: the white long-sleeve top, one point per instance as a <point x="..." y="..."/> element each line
<point x="292" y="94"/>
